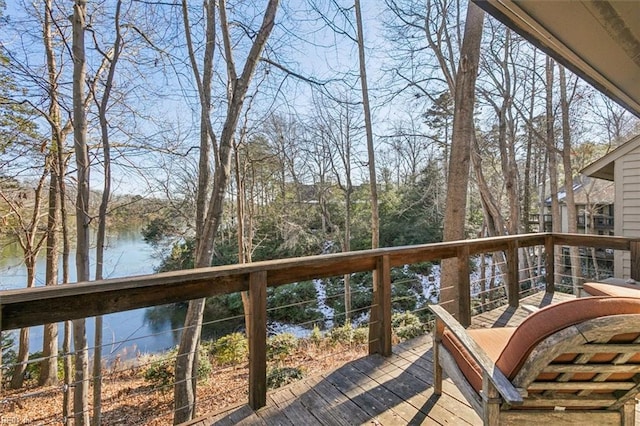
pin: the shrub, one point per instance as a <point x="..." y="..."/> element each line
<point x="280" y="376"/>
<point x="347" y="335"/>
<point x="161" y="371"/>
<point x="406" y="325"/>
<point x="230" y="349"/>
<point x="361" y="335"/>
<point x="316" y="336"/>
<point x="281" y="345"/>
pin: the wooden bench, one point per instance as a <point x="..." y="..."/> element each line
<point x="570" y="363"/>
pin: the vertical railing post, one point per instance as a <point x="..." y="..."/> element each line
<point x="513" y="284"/>
<point x="380" y="324"/>
<point x="634" y="248"/>
<point x="464" y="286"/>
<point x="550" y="265"/>
<point x="258" y="339"/>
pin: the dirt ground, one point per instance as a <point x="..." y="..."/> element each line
<point x="128" y="399"/>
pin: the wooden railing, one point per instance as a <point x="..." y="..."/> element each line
<point x="43" y="305"/>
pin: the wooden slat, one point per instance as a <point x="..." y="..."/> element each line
<point x="513" y="285"/>
<point x="258" y="340"/>
<point x="615" y="348"/>
<point x="383" y="270"/>
<point x="590" y="240"/>
<point x="592" y="368"/>
<point x="634" y="248"/>
<point x="574" y="417"/>
<point x="380" y="327"/>
<point x="560" y="400"/>
<point x="610" y="386"/>
<point x="550" y="263"/>
<point x="464" y="286"/>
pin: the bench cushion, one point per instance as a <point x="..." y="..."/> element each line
<point x="620" y="290"/>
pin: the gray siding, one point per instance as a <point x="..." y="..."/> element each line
<point x="627" y="211"/>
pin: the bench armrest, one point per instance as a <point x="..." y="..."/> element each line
<point x="509" y="393"/>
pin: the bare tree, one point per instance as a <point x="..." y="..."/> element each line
<point x="110" y="61"/>
<point x="186" y="362"/>
<point x="572" y="220"/>
<point x="553" y="158"/>
<point x="81" y="394"/>
<point x="463" y="130"/>
<point x="375" y="219"/>
<point x="25" y="225"/>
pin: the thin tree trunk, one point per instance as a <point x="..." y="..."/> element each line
<point x="102" y="211"/>
<point x="81" y="385"/>
<point x="576" y="270"/>
<point x="458" y="179"/>
<point x="22" y="359"/>
<point x="375" y="219"/>
<point x="553" y="163"/>
<point x="526" y="207"/>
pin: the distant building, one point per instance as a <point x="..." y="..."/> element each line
<point x="594" y="200"/>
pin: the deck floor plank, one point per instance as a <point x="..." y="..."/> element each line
<point x="377" y="390"/>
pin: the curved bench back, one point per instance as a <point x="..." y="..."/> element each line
<point x="552" y="319"/>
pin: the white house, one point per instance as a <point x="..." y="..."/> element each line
<point x="622" y="166"/>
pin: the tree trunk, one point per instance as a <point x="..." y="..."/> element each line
<point x="81" y="392"/>
<point x="576" y="271"/>
<point x="22" y="359"/>
<point x="375" y="220"/>
<point x="553" y="164"/>
<point x="102" y="211"/>
<point x="463" y="129"/>
<point x="186" y="361"/>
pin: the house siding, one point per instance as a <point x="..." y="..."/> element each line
<point x="627" y="212"/>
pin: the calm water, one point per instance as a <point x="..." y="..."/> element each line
<point x="124" y="333"/>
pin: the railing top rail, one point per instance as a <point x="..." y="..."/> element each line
<point x="40" y="305"/>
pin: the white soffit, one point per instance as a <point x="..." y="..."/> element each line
<point x="597" y="39"/>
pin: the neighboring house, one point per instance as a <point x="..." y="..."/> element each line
<point x="622" y="167"/>
<point x="594" y="200"/>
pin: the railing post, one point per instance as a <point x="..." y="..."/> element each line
<point x="512" y="274"/>
<point x="464" y="286"/>
<point x="258" y="339"/>
<point x="380" y="326"/>
<point x="634" y="248"/>
<point x="550" y="265"/>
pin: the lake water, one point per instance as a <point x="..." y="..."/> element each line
<point x="125" y="333"/>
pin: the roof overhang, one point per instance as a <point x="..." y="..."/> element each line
<point x="597" y="39"/>
<point x="604" y="167"/>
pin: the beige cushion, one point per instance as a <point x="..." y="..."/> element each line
<point x="620" y="290"/>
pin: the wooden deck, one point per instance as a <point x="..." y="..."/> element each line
<point x="376" y="390"/>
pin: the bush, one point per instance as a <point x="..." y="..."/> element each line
<point x="161" y="371"/>
<point x="347" y="335"/>
<point x="406" y="325"/>
<point x="281" y="345"/>
<point x="230" y="349"/>
<point x="280" y="376"/>
<point x="316" y="336"/>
